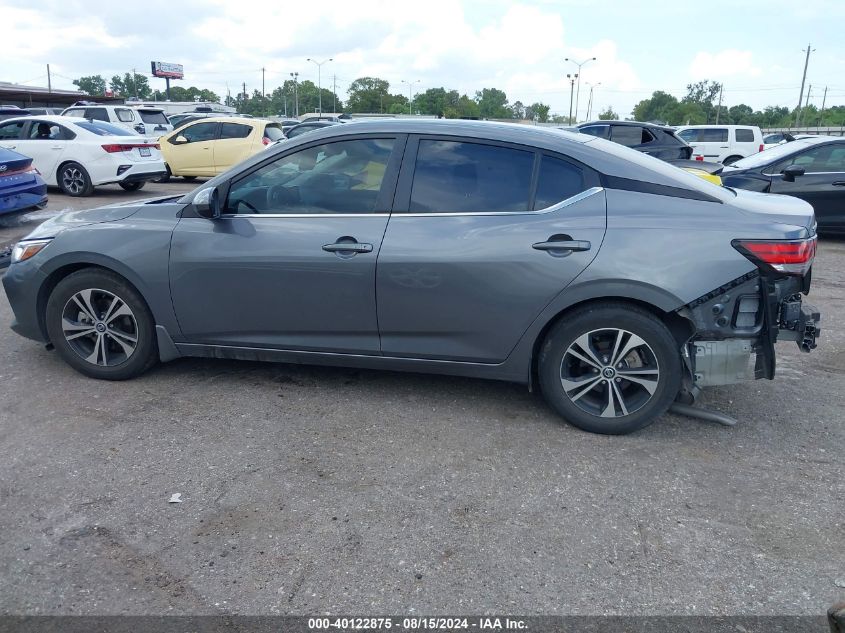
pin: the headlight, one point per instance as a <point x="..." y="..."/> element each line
<point x="24" y="250"/>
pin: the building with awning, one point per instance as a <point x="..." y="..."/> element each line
<point x="38" y="96"/>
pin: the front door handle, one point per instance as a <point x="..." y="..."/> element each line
<point x="348" y="247"/>
<point x="839" y="183"/>
<point x="562" y="245"/>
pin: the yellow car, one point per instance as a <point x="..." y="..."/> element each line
<point x="211" y="146"/>
<point x="708" y="171"/>
<point x="714" y="178"/>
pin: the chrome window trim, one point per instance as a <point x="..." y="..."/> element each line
<point x="555" y="207"/>
<point x="808" y="173"/>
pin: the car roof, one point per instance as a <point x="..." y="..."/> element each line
<point x="52" y="118"/>
<point x="659" y="126"/>
<point x="233" y="119"/>
<point x="717" y="125"/>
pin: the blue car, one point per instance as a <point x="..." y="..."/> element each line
<point x="21" y="186"/>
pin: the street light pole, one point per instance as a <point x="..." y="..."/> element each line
<point x="571" y="79"/>
<point x="590" y="101"/>
<point x="295" y="93"/>
<point x="319" y="83"/>
<point x="579" y="64"/>
<point x="410" y="86"/>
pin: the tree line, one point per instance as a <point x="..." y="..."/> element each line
<point x="701" y="105"/>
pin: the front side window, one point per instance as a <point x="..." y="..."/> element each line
<point x="234" y="130"/>
<point x="828" y="158"/>
<point x="459" y="177"/>
<point x="199" y="132"/>
<point x="744" y="135"/>
<point x="125" y="115"/>
<point x="339" y="177"/>
<point x="11" y="130"/>
<point x="558" y="181"/>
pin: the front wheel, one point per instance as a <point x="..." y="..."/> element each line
<point x="610" y="368"/>
<point x="132" y="186"/>
<point x="101" y="326"/>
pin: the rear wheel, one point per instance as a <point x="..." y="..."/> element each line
<point x="189" y="178"/>
<point x="730" y="160"/>
<point x="101" y="326"/>
<point x="132" y="186"/>
<point x="74" y="180"/>
<point x="610" y="368"/>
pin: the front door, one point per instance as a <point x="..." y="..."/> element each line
<point x="45" y="143"/>
<point x="822" y="185"/>
<point x="193" y="156"/>
<point x="291" y="264"/>
<point x="478" y="249"/>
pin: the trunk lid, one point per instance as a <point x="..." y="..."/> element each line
<point x="776" y="208"/>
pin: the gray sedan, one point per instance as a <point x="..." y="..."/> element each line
<point x="611" y="281"/>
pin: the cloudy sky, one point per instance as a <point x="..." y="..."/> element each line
<point x="754" y="47"/>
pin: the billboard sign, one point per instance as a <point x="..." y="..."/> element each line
<point x="166" y="69"/>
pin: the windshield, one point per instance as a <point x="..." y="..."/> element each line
<point x="772" y="155"/>
<point x="102" y="129"/>
<point x="153" y="116"/>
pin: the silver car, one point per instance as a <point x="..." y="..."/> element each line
<point x="611" y="281"/>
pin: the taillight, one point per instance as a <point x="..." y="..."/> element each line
<point x="265" y="140"/>
<point x="762" y="147"/>
<point x="793" y="257"/>
<point x="699" y="157"/>
<point x="23" y="170"/>
<point x="112" y="148"/>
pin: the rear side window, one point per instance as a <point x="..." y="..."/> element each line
<point x="558" y="181"/>
<point x="234" y="130"/>
<point x="602" y="131"/>
<point x="713" y="135"/>
<point x="97" y="114"/>
<point x="744" y="135"/>
<point x="690" y="136"/>
<point x="125" y="115"/>
<point x="451" y="176"/>
<point x="274" y="133"/>
<point x="11" y="130"/>
<point x="153" y="116"/>
<point x="630" y="135"/>
<point x="103" y="129"/>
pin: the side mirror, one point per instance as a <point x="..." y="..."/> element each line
<point x="179" y="140"/>
<point x="791" y="172"/>
<point x="207" y="203"/>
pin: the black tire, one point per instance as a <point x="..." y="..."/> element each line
<point x="166" y="177"/>
<point x="189" y="178"/>
<point x="65" y="316"/>
<point x="730" y="160"/>
<point x="132" y="186"/>
<point x="601" y="323"/>
<point x="74" y="180"/>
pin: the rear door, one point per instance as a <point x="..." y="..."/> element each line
<point x="710" y="142"/>
<point x="196" y="156"/>
<point x="469" y="257"/>
<point x="822" y="185"/>
<point x="233" y="145"/>
<point x="746" y="143"/>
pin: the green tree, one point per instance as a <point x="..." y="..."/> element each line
<point x="538" y="111"/>
<point x="703" y="94"/>
<point x="436" y="101"/>
<point x="518" y="110"/>
<point x="94" y="85"/>
<point x="493" y="104"/>
<point x="608" y="115"/>
<point x="369" y="94"/>
<point x="661" y="106"/>
<point x="131" y="85"/>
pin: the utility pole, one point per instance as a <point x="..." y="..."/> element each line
<point x="334" y="92"/>
<point x="803" y="79"/>
<point x="295" y="93"/>
<point x="590" y="102"/>
<point x="243" y="102"/>
<point x="571" y="79"/>
<point x="135" y="82"/>
<point x="719" y="107"/>
<point x="263" y="92"/>
<point x="49" y="83"/>
<point x="821" y="112"/>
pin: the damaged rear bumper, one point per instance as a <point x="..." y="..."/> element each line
<point x="744" y="319"/>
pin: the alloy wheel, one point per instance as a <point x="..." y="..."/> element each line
<point x="609" y="372"/>
<point x="73" y="180"/>
<point x="100" y="327"/>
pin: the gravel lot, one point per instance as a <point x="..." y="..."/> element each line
<point x="311" y="490"/>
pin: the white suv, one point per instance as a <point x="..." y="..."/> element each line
<point x="722" y="143"/>
<point x="144" y="121"/>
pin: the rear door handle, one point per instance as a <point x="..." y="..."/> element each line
<point x="839" y="183"/>
<point x="348" y="247"/>
<point x="563" y="245"/>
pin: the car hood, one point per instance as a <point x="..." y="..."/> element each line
<point x="776" y="208"/>
<point x="75" y="219"/>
